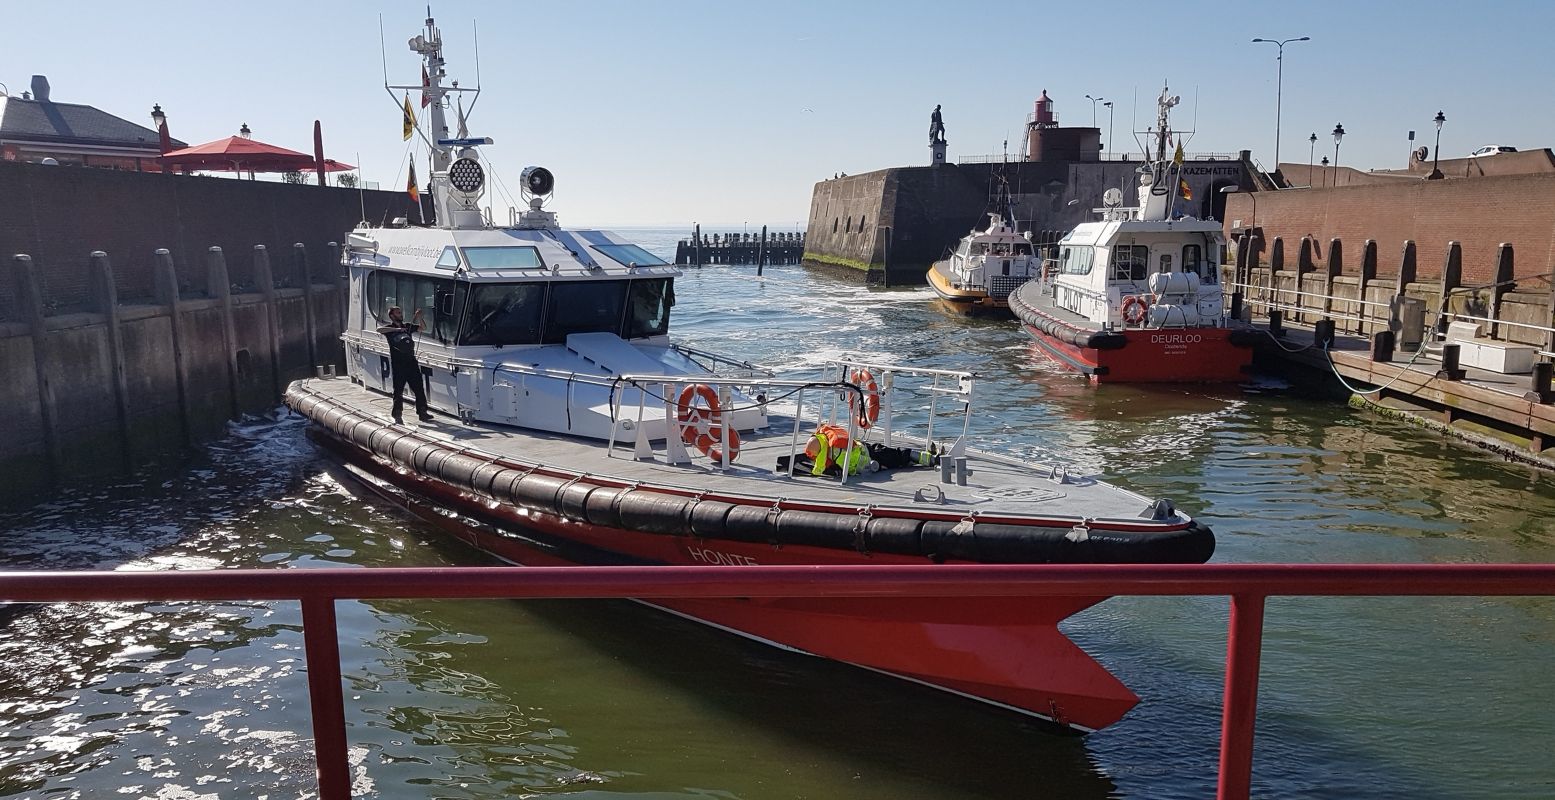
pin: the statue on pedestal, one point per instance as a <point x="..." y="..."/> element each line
<point x="936" y="127"/>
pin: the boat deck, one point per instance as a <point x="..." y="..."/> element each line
<point x="996" y="486"/>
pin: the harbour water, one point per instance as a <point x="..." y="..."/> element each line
<point x="1379" y="698"/>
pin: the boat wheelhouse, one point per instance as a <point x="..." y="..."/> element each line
<point x="986" y="266"/>
<point x="574" y="431"/>
<point x="1135" y="296"/>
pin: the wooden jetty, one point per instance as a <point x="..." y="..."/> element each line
<point x="1474" y="361"/>
<point x="740" y="248"/>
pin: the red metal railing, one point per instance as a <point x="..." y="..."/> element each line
<point x="1248" y="586"/>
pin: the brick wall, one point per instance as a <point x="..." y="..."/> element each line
<point x="1480" y="213"/>
<point x="60" y="214"/>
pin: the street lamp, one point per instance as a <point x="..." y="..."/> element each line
<point x="1338" y="136"/>
<point x="1436" y="155"/>
<point x="158" y="119"/>
<point x="245" y="132"/>
<point x="1108" y="104"/>
<point x="1279" y="85"/>
<point x="1311" y="148"/>
<point x="1094" y="101"/>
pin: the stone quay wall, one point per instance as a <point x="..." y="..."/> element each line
<point x="142" y="311"/>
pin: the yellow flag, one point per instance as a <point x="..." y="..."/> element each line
<point x="1176" y="157"/>
<point x="410" y="118"/>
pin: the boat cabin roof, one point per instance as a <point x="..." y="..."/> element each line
<point x="1105" y="232"/>
<point x="506" y="254"/>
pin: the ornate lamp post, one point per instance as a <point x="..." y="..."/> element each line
<point x="245" y="132"/>
<point x="1338" y="137"/>
<point x="1311" y="148"/>
<point x="1279" y="86"/>
<point x="1436" y="154"/>
<point x="157" y="117"/>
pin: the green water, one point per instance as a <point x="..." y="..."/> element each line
<point x="459" y="699"/>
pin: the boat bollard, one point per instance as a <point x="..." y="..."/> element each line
<point x="318" y="371"/>
<point x="1450" y="370"/>
<point x="1323" y="333"/>
<point x="944" y="470"/>
<point x="961" y="470"/>
<point x="1276" y="323"/>
<point x="329" y="371"/>
<point x="1539" y="391"/>
<point x="1382" y="346"/>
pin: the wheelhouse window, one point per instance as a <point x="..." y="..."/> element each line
<point x="1076" y="260"/>
<point x="1129" y="262"/>
<point x="437" y="298"/>
<point x="449" y="259"/>
<point x="505" y="257"/>
<point x="628" y="254"/>
<point x="504" y="313"/>
<point x="584" y="307"/>
<point x="648" y="307"/>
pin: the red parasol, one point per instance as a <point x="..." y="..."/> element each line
<point x="237" y="154"/>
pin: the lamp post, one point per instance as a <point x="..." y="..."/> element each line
<point x="1311" y="149"/>
<point x="157" y="117"/>
<point x="1325" y="170"/>
<point x="1436" y="154"/>
<point x="245" y="132"/>
<point x="1338" y="137"/>
<point x="1279" y="86"/>
<point x="1108" y="104"/>
<point x="1094" y="101"/>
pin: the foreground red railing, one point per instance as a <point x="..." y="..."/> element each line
<point x="1248" y="586"/>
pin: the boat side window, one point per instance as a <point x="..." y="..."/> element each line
<point x="584" y="307"/>
<point x="386" y="290"/>
<point x="503" y="313"/>
<point x="648" y="308"/>
<point x="449" y="259"/>
<point x="1023" y="248"/>
<point x="627" y="254"/>
<point x="1129" y="262"/>
<point x="1077" y="260"/>
<point x="1193" y="261"/>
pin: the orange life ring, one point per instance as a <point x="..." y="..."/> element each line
<point x="1136" y="307"/>
<point x="869" y="414"/>
<point x="707" y="439"/>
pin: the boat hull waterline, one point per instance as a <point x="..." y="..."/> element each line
<point x="1008" y="653"/>
<point x="971" y="302"/>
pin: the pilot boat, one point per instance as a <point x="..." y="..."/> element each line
<point x="985" y="267"/>
<point x="1135" y="296"/>
<point x="569" y="428"/>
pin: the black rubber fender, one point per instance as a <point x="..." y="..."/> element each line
<point x="574" y="501"/>
<point x="710" y="519"/>
<point x="750" y="524"/>
<point x="819" y="529"/>
<point x="894" y="535"/>
<point x="538" y="492"/>
<point x="654" y="513"/>
<point x="604" y="507"/>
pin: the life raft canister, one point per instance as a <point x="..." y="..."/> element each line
<point x="703" y="428"/>
<point x="829" y="444"/>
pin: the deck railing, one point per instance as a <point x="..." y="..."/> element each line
<point x="1248" y="586"/>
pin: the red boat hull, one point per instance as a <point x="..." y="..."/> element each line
<point x="1176" y="355"/>
<point x="997" y="650"/>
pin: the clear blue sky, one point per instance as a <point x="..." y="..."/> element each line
<point x="727" y="112"/>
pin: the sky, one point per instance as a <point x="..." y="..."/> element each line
<point x="727" y="113"/>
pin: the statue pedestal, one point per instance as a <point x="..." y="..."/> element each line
<point x="937" y="151"/>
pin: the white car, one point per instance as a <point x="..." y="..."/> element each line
<point x="1492" y="149"/>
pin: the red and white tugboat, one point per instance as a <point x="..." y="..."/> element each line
<point x="568" y="428"/>
<point x="1135" y="297"/>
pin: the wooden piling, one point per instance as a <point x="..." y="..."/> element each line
<point x="220" y="287"/>
<point x="166" y="280"/>
<point x="1452" y="278"/>
<point x="1503" y="284"/>
<point x="300" y="267"/>
<point x="105" y="296"/>
<point x="30" y="299"/>
<point x="265" y="278"/>
<point x="696" y="240"/>
<point x="761" y="251"/>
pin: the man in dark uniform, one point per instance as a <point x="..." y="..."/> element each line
<point x="402" y="358"/>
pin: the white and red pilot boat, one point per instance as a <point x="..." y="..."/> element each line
<point x="984" y="268"/>
<point x="570" y="429"/>
<point x="1135" y="297"/>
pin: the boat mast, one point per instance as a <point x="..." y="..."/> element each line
<point x="458" y="179"/>
<point x="1156" y="186"/>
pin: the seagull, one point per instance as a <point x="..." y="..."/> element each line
<point x="811" y="110"/>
